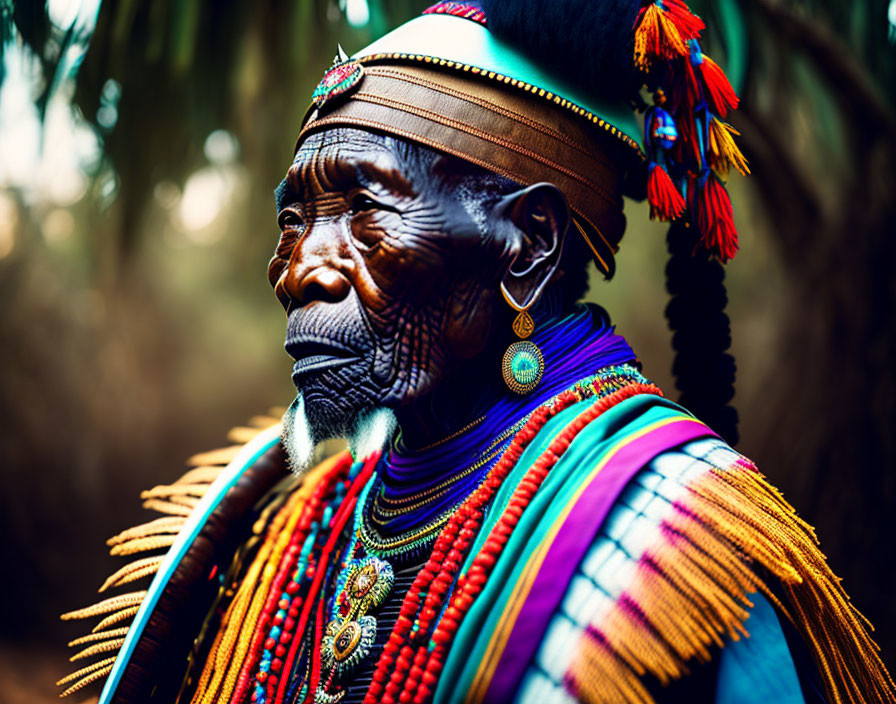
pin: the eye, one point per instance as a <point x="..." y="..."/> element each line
<point x="362" y="203"/>
<point x="290" y="219"/>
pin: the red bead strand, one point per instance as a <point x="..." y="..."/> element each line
<point x="500" y="533"/>
<point x="343" y="514"/>
<point x="464" y="524"/>
<point x="311" y="512"/>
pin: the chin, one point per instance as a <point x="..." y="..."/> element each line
<point x="312" y="419"/>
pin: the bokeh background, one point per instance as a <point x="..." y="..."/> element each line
<point x="140" y="143"/>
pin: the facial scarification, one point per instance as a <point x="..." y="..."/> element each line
<point x="388" y="281"/>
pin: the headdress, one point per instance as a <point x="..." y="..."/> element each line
<point x="545" y="91"/>
<point x="493" y="84"/>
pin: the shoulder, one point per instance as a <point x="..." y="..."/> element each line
<point x="690" y="542"/>
<point x="155" y="604"/>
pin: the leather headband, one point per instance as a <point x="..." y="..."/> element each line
<point x="509" y="132"/>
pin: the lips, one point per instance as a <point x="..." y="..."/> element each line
<point x="315" y="355"/>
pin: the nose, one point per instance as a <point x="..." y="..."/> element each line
<point x="322" y="284"/>
<point x="316" y="270"/>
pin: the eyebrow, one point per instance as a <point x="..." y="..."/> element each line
<point x="348" y="173"/>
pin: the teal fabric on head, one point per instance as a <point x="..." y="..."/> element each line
<point x="455" y="39"/>
<point x="759" y="668"/>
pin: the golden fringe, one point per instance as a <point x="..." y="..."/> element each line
<point x="101" y="665"/>
<point x="168" y="507"/>
<point x="104" y="647"/>
<point x="169" y="525"/>
<point x="233" y="639"/>
<point x="723" y="150"/>
<point x="117" y="617"/>
<point x="153" y="542"/>
<point x="177" y="501"/>
<point x="176" y="489"/>
<point x="93" y="637"/>
<point x="691" y="592"/>
<point x="133" y="571"/>
<point x="89" y="678"/>
<point x="106" y="605"/>
<point x="221" y="457"/>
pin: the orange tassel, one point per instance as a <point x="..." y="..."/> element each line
<point x="723" y="151"/>
<point x="715" y="218"/>
<point x="656" y="37"/>
<point x="721" y="95"/>
<point x="666" y="203"/>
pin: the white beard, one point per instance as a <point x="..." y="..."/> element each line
<point x="367" y="432"/>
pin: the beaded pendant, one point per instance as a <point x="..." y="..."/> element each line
<point x="362" y="585"/>
<point x="522" y="367"/>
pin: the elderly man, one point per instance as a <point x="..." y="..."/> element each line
<point x="523" y="515"/>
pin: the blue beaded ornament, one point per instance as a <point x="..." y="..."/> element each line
<point x="661" y="130"/>
<point x="523" y="367"/>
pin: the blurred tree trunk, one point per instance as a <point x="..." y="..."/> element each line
<point x="828" y="437"/>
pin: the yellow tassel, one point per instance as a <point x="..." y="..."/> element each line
<point x="723" y="151"/>
<point x="160" y="526"/>
<point x="222" y="456"/>
<point x="691" y="591"/>
<point x="169" y="507"/>
<point x="166" y="491"/>
<point x="117" y="617"/>
<point x="90" y="669"/>
<point x="107" y="605"/>
<point x="133" y="571"/>
<point x="94" y="637"/>
<point x="153" y="542"/>
<point x="89" y="678"/>
<point x="657" y="37"/>
<point x="201" y="475"/>
<point x="98" y="648"/>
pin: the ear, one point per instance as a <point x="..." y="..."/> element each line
<point x="536" y="219"/>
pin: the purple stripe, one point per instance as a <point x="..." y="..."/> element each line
<point x="569" y="546"/>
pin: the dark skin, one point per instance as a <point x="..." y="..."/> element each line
<point x="390" y="266"/>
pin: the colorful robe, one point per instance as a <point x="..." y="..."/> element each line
<point x="650" y="547"/>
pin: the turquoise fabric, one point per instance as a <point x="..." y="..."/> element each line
<point x="583" y="454"/>
<point x="759" y="668"/>
<point x="444" y="36"/>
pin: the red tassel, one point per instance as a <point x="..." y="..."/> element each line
<point x="687" y="148"/>
<point x="666" y="203"/>
<point x="715" y="218"/>
<point x="686" y="22"/>
<point x="721" y="95"/>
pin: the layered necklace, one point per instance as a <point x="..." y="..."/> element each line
<point x="365" y="521"/>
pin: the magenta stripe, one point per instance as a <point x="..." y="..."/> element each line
<point x="569" y="546"/>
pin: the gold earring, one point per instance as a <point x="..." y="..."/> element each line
<point x="523" y="363"/>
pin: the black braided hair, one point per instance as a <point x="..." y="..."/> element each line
<point x="701" y="332"/>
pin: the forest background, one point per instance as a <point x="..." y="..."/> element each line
<point x="140" y="143"/>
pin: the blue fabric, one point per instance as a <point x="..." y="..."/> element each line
<point x="759" y="668"/>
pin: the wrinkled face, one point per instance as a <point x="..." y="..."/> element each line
<point x="387" y="269"/>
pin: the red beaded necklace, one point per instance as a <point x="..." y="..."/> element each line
<point x="411" y="661"/>
<point x="439" y="598"/>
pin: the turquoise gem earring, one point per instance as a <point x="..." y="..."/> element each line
<point x="523" y="363"/>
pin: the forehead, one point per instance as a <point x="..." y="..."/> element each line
<point x="343" y="158"/>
